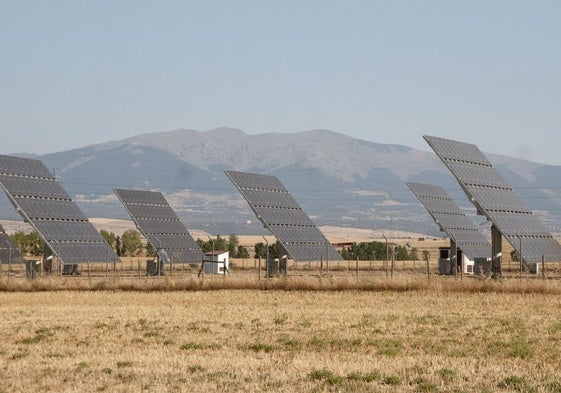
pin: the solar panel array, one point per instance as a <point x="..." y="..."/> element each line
<point x="42" y="201"/>
<point x="157" y="221"/>
<point x="275" y="207"/>
<point x="9" y="253"/>
<point x="494" y="198"/>
<point x="452" y="220"/>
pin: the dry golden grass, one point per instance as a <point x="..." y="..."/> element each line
<point x="394" y="335"/>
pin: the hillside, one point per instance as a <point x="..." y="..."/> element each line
<point x="338" y="180"/>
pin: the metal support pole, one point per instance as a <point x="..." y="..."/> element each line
<point x="267" y="256"/>
<point x="497" y="247"/>
<point x="387" y="253"/>
<point x="453" y="257"/>
<point x="520" y="256"/>
<point x="393" y="264"/>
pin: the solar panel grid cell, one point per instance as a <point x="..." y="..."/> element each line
<point x="51" y="209"/>
<point x="442" y="206"/>
<point x="169" y="241"/>
<point x="270" y="199"/>
<point x="312" y="252"/>
<point x="162" y="226"/>
<point x="478" y="175"/>
<point x="453" y="221"/>
<point x="133" y="197"/>
<point x="68" y="231"/>
<point x="298" y="234"/>
<point x="152" y="212"/>
<point x="284" y="216"/>
<point x="499" y="200"/>
<point x="469" y="237"/>
<point x="30" y="187"/>
<point x="85" y="252"/>
<point x="428" y="191"/>
<point x="182" y="255"/>
<point x="256" y="181"/>
<point x="517" y="224"/>
<point x="453" y="151"/>
<point x="23" y="167"/>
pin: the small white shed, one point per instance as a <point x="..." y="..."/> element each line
<point x="216" y="262"/>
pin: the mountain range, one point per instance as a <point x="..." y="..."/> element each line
<point x="338" y="180"/>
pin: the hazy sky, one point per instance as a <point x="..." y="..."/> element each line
<point x="74" y="73"/>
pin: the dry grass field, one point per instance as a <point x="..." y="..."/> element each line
<point x="442" y="335"/>
<point x="113" y="329"/>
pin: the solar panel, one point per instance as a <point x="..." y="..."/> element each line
<point x="452" y="220"/>
<point x="494" y="198"/>
<point x="160" y="225"/>
<point x="17" y="166"/>
<point x="277" y="209"/>
<point x="9" y="253"/>
<point x="42" y="202"/>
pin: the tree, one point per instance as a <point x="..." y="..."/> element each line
<point x="275" y="250"/>
<point x="109" y="237"/>
<point x="232" y="244"/>
<point x="514" y="256"/>
<point x="132" y="245"/>
<point x="401" y="253"/>
<point x="242" y="252"/>
<point x="220" y="244"/>
<point x="28" y="243"/>
<point x="150" y="252"/>
<point x="365" y="251"/>
<point x="20" y="240"/>
<point x="118" y="246"/>
<point x="260" y="251"/>
<point x="36" y="244"/>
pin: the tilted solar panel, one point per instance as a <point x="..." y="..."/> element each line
<point x="494" y="198"/>
<point x="277" y="209"/>
<point x="42" y="201"/>
<point x="452" y="220"/>
<point x="160" y="225"/>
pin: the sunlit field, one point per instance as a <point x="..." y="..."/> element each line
<point x="306" y="332"/>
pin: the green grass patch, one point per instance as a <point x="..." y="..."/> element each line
<point x="391" y="380"/>
<point x="124" y="364"/>
<point x="261" y="347"/>
<point x="290" y="344"/>
<point x="190" y="346"/>
<point x="389" y="347"/>
<point x="517" y="384"/>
